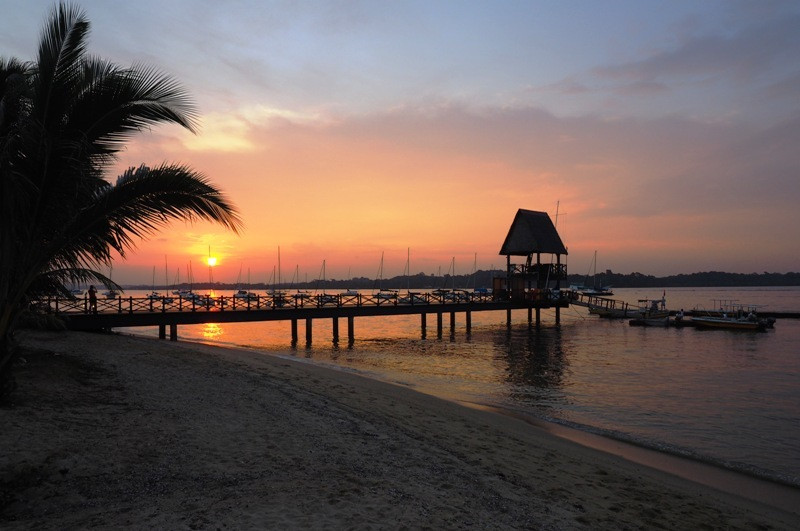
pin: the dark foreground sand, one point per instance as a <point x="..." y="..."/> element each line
<point x="114" y="431"/>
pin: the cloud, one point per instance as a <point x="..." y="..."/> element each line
<point x="743" y="55"/>
<point x="232" y="132"/>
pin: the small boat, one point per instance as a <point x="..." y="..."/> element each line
<point x="386" y="294"/>
<point x="750" y="322"/>
<point x="300" y="294"/>
<point x="732" y="316"/>
<point x="612" y="312"/>
<point x="412" y="297"/>
<point x="653" y="309"/>
<point x="243" y="294"/>
<point x="325" y="299"/>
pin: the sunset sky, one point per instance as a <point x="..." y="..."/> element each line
<point x="668" y="133"/>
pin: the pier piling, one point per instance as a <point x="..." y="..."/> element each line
<point x="335" y="326"/>
<point x="351" y="330"/>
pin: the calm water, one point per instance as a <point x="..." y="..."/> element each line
<point x="728" y="397"/>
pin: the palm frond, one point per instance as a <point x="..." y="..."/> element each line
<point x="117" y="103"/>
<point x="54" y="282"/>
<point x="62" y="45"/>
<point x="143" y="201"/>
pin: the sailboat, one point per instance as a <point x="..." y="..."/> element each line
<point x="594" y="289"/>
<point x="299" y="295"/>
<point x="410" y="297"/>
<point x="384" y="294"/>
<point x="188" y="294"/>
<point x="154" y="295"/>
<point x="112" y="293"/>
<point x="325" y="298"/>
<point x="244" y="294"/>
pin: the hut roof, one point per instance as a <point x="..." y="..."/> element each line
<point x="532" y="232"/>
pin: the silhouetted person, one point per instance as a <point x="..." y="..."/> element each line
<point x="92" y="299"/>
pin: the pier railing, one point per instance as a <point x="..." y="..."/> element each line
<point x="276" y="301"/>
<point x="171" y="311"/>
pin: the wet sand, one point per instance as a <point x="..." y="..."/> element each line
<point x="119" y="431"/>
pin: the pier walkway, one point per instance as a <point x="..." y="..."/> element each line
<point x="173" y="311"/>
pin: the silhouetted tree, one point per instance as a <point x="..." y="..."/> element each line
<point x="63" y="119"/>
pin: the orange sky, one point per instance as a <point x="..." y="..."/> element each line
<point x="666" y="132"/>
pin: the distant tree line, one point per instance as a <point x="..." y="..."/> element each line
<point x="483" y="279"/>
<point x="705" y="279"/>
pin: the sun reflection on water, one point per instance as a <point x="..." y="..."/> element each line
<point x="212" y="331"/>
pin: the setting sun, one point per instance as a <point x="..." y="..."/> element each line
<point x="212" y="261"/>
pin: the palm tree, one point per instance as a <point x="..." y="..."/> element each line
<point x="63" y="119"/>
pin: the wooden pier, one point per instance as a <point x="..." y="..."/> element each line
<point x="533" y="285"/>
<point x="170" y="312"/>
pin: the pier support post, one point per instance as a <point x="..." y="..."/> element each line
<point x="308" y="331"/>
<point x="530" y="315"/>
<point x="162" y="331"/>
<point x="294" y="331"/>
<point x="452" y="324"/>
<point x="335" y="329"/>
<point x="423" y="324"/>
<point x="508" y="318"/>
<point x="439" y="325"/>
<point x="351" y="336"/>
<point x="558" y="315"/>
<point x="469" y="322"/>
<point x="173" y="332"/>
<point x="538" y="317"/>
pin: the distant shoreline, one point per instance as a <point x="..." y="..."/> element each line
<point x="483" y="279"/>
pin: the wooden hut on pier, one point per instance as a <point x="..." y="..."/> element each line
<point x="532" y="234"/>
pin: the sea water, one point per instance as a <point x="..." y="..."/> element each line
<point x="727" y="397"/>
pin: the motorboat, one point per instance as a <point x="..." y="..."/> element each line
<point x="732" y="316"/>
<point x="749" y="322"/>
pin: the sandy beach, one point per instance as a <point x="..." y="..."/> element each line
<point x="126" y="432"/>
